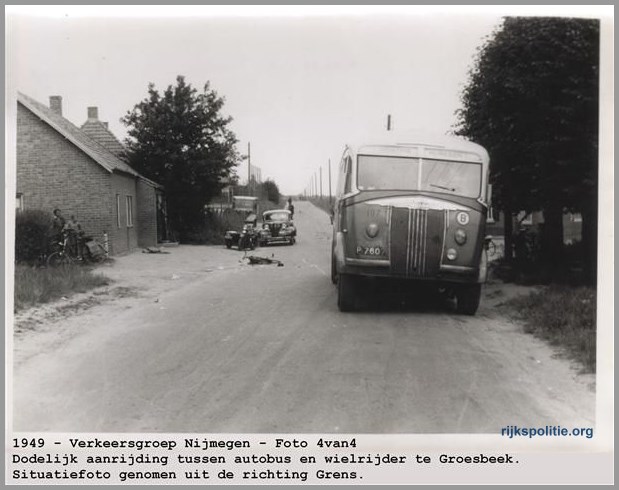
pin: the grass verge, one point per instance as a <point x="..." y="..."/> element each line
<point x="35" y="285"/>
<point x="565" y="316"/>
<point x="323" y="203"/>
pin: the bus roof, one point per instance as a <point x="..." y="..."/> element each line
<point x="429" y="142"/>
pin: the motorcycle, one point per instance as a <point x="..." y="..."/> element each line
<point x="245" y="239"/>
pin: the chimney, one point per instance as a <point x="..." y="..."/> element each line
<point x="93" y="113"/>
<point x="55" y="104"/>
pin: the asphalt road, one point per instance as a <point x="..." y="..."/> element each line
<point x="264" y="349"/>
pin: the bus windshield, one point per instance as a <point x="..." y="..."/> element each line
<point x="416" y="174"/>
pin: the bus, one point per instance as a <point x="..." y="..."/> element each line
<point x="412" y="210"/>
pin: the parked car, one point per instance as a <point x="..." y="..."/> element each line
<point x="246" y="237"/>
<point x="277" y="227"/>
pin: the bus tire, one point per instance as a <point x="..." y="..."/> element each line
<point x="346" y="292"/>
<point x="468" y="298"/>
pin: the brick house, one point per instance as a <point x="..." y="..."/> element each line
<point x="147" y="189"/>
<point x="61" y="166"/>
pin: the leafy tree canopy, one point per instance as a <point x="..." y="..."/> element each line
<point x="532" y="101"/>
<point x="180" y="139"/>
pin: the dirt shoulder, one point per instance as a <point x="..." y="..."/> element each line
<point x="134" y="278"/>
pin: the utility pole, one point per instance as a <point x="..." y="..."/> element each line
<point x="388" y="122"/>
<point x="320" y="169"/>
<point x="330" y="181"/>
<point x="249" y="168"/>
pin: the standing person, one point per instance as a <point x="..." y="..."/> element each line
<point x="73" y="228"/>
<point x="58" y="223"/>
<point x="290" y="207"/>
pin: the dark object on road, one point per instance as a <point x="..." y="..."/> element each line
<point x="244" y="239"/>
<point x="153" y="250"/>
<point x="255" y="260"/>
<point x="277" y="227"/>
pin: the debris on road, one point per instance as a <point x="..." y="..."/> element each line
<point x="256" y="260"/>
<point x="154" y="250"/>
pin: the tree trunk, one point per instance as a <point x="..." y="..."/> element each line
<point x="552" y="241"/>
<point x="590" y="242"/>
<point x="508" y="231"/>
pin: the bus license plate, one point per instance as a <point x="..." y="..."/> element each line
<point x="371" y="251"/>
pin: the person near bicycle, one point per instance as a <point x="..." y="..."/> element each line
<point x="58" y="223"/>
<point x="57" y="233"/>
<point x="73" y="230"/>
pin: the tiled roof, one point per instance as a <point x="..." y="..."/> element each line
<point x="102" y="135"/>
<point x="94" y="150"/>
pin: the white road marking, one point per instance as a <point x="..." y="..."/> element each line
<point x="316" y="267"/>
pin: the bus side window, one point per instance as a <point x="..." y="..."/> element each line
<point x="341" y="177"/>
<point x="348" y="176"/>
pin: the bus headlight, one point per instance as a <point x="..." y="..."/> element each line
<point x="452" y="254"/>
<point x="372" y="230"/>
<point x="460" y="236"/>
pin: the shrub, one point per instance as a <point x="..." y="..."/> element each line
<point x="33" y="234"/>
<point x="215" y="225"/>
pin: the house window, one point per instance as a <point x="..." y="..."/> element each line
<point x="118" y="210"/>
<point x="19" y="202"/>
<point x="129" y="211"/>
<point x="575" y="217"/>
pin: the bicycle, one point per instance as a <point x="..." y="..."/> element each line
<point x="61" y="256"/>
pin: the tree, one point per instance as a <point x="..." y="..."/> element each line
<point x="532" y="101"/>
<point x="270" y="191"/>
<point x="181" y="140"/>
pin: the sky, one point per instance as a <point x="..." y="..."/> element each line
<point x="298" y="82"/>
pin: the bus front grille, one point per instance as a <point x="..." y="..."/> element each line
<point x="416" y="241"/>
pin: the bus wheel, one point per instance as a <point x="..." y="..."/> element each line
<point x="468" y="299"/>
<point x="346" y="292"/>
